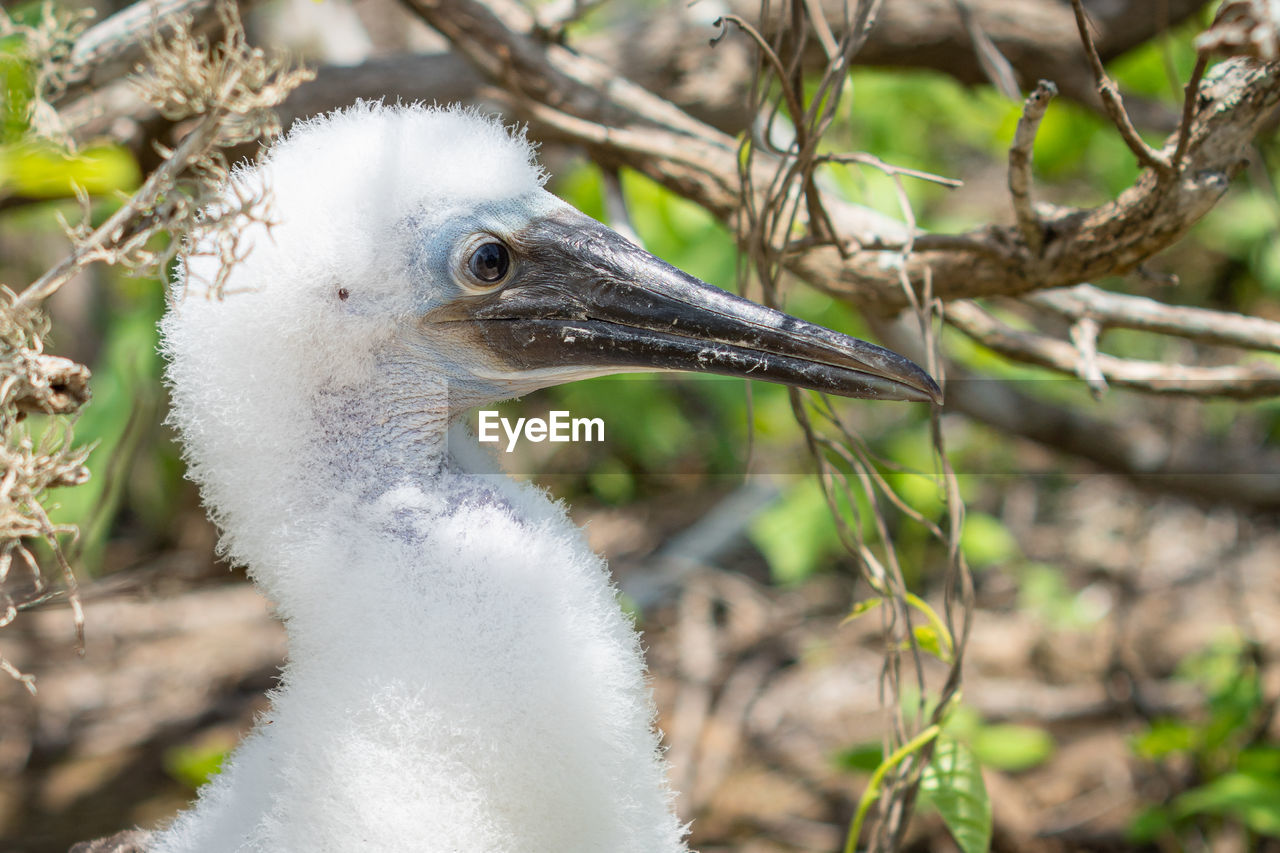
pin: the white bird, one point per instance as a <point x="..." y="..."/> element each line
<point x="460" y="674"/>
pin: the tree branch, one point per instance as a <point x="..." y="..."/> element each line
<point x="1206" y="471"/>
<point x="1112" y="102"/>
<point x="1020" y="180"/>
<point x="1242" y="382"/>
<point x="1118" y="310"/>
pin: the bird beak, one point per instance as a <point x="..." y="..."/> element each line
<point x="584" y="300"/>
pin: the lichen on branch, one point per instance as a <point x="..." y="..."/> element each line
<point x="227" y="90"/>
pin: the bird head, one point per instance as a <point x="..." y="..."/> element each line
<point x="412" y="264"/>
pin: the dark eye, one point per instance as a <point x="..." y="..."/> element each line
<point x="490" y="263"/>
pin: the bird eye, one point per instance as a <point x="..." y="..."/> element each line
<point x="490" y="263"/>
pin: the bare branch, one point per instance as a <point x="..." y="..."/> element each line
<point x="1118" y="310"/>
<point x="994" y="63"/>
<point x="1190" y="95"/>
<point x="1083" y="245"/>
<point x="112" y="232"/>
<point x="1084" y="335"/>
<point x="1207" y="471"/>
<point x="979" y="41"/>
<point x="51" y="385"/>
<point x="1020" y="179"/>
<point x="664" y="51"/>
<point x="1112" y="101"/>
<point x="1243" y="382"/>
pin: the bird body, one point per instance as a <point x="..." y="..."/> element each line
<point x="460" y="675"/>
<point x="489" y="699"/>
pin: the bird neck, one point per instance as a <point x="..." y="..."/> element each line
<point x="314" y="459"/>
<point x="392" y="429"/>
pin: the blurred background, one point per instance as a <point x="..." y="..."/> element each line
<point x="1121" y="678"/>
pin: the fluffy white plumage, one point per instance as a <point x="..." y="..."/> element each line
<point x="461" y="677"/>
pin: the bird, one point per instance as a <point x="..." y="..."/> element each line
<point x="461" y="676"/>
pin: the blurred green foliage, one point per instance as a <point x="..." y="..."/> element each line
<point x="135" y="470"/>
<point x="17" y="82"/>
<point x="1225" y="750"/>
<point x="986" y="542"/>
<point x="797" y="535"/>
<point x="1004" y="746"/>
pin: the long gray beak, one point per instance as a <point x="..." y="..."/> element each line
<point x="580" y="295"/>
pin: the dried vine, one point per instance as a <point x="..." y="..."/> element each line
<point x="846" y="468"/>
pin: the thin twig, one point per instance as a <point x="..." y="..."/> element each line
<point x="1190" y="97"/>
<point x="865" y="159"/>
<point x="994" y="64"/>
<point x="1084" y="335"/>
<point x="1112" y="102"/>
<point x="88" y="251"/>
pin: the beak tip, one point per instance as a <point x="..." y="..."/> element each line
<point x="912" y="381"/>
<point x="933" y="393"/>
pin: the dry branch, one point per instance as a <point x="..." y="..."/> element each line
<point x="1118" y="310"/>
<point x="1243" y="382"/>
<point x="1020" y="164"/>
<point x="664" y="50"/>
<point x="1081" y="245"/>
<point x="50" y="385"/>
<point x="1111" y="100"/>
<point x="1037" y="39"/>
<point x="1244" y="28"/>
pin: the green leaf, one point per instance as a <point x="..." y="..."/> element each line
<point x="1149" y="824"/>
<point x="1252" y="799"/>
<point x="611" y="482"/>
<point x="861" y="608"/>
<point x="952" y="784"/>
<point x="1010" y="747"/>
<point x="17" y="87"/>
<point x="941" y="636"/>
<point x="928" y="639"/>
<point x="1260" y="760"/>
<point x="1044" y="591"/>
